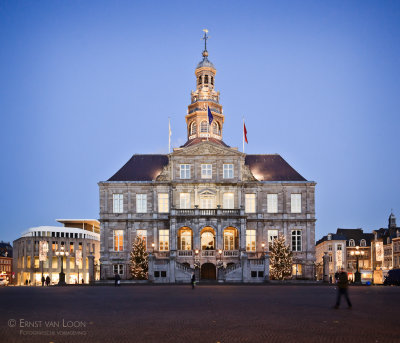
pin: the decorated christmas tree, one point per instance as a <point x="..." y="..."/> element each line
<point x="139" y="259"/>
<point x="280" y="259"/>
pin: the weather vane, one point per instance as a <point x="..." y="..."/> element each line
<point x="205" y="37"/>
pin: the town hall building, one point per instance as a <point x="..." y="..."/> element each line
<point x="206" y="207"/>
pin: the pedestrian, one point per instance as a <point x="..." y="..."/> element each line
<point x="336" y="277"/>
<point x="193" y="280"/>
<point x="47" y="280"/>
<point x="43" y="280"/>
<point x="83" y="281"/>
<point x="26" y="282"/>
<point x="117" y="279"/>
<point x="343" y="286"/>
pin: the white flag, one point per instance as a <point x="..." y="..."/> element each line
<point x="169" y="136"/>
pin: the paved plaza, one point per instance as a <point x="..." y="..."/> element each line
<point x="210" y="313"/>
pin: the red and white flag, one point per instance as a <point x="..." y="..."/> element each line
<point x="245" y="133"/>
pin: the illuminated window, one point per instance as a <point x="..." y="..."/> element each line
<point x="143" y="235"/>
<point x="207" y="201"/>
<point x="206" y="171"/>
<point x="141" y="203"/>
<point x="228" y="200"/>
<point x="228" y="171"/>
<point x="118" y="203"/>
<point x="118" y="269"/>
<point x="163" y="240"/>
<point x="251" y="240"/>
<point x="230" y="239"/>
<point x="72" y="262"/>
<point x="184" y="200"/>
<point x="207" y="239"/>
<point x="54" y="262"/>
<point x="163" y="203"/>
<point x="250" y="203"/>
<point x="118" y="240"/>
<point x="71" y="247"/>
<point x="295" y="203"/>
<point x="272" y="203"/>
<point x="272" y="235"/>
<point x="296" y="240"/>
<point x="185" y="239"/>
<point x="185" y="171"/>
<point x="297" y="269"/>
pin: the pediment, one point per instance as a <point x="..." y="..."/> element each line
<point x="207" y="148"/>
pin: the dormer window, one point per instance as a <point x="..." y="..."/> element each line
<point x="206" y="79"/>
<point x="363" y="243"/>
<point x="352" y="243"/>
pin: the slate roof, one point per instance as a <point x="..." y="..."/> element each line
<point x="6" y="247"/>
<point x="356" y="234"/>
<point x="263" y="167"/>
<point x="335" y="237"/>
<point x="200" y="139"/>
<point x="141" y="168"/>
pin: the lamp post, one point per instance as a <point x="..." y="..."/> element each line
<point x="152" y="247"/>
<point x="61" y="277"/>
<point x="357" y="253"/>
<point x="263" y="249"/>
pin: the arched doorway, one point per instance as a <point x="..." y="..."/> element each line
<point x="208" y="272"/>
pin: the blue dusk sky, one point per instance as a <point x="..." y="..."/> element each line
<point x="86" y="84"/>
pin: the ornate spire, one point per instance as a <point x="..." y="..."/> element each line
<point x="205" y="37"/>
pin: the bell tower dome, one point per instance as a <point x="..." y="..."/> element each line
<point x="203" y="97"/>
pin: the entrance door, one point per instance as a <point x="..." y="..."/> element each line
<point x="208" y="272"/>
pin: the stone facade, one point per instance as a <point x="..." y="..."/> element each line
<point x="206" y="207"/>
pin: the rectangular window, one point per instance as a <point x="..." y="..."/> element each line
<point x="228" y="200"/>
<point x="54" y="262"/>
<point x="272" y="234"/>
<point x="119" y="269"/>
<point x="143" y="235"/>
<point x="228" y="171"/>
<point x="118" y="203"/>
<point x="206" y="171"/>
<point x="163" y="203"/>
<point x="251" y="240"/>
<point x="297" y="269"/>
<point x="118" y="240"/>
<point x="141" y="203"/>
<point x="54" y="246"/>
<point x="36" y="262"/>
<point x="272" y="203"/>
<point x="295" y="203"/>
<point x="330" y="247"/>
<point x="207" y="202"/>
<point x="184" y="200"/>
<point x="185" y="171"/>
<point x="250" y="203"/>
<point x="72" y="262"/>
<point x="71" y="247"/>
<point x="339" y="247"/>
<point x="296" y="240"/>
<point x="163" y="240"/>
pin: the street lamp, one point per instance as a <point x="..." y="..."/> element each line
<point x="263" y="248"/>
<point x="152" y="246"/>
<point x="357" y="253"/>
<point x="61" y="277"/>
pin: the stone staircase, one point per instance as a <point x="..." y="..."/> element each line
<point x="233" y="273"/>
<point x="183" y="273"/>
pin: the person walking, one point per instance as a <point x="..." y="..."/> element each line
<point x="117" y="279"/>
<point x="43" y="280"/>
<point x="47" y="280"/>
<point x="343" y="286"/>
<point x="193" y="280"/>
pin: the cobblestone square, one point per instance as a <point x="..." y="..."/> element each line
<point x="210" y="313"/>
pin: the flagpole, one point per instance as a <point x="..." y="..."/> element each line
<point x="169" y="135"/>
<point x="243" y="134"/>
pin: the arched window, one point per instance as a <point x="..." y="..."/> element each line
<point x="204" y="126"/>
<point x="212" y="80"/>
<point x="231" y="241"/>
<point x="363" y="243"/>
<point x="352" y="243"/>
<point x="216" y="130"/>
<point x="206" y="79"/>
<point x="199" y="80"/>
<point x="185" y="238"/>
<point x="207" y="238"/>
<point x="193" y="128"/>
